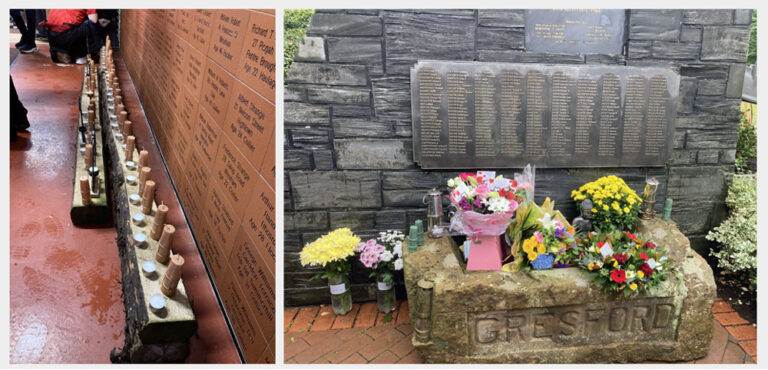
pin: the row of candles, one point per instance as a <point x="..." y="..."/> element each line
<point x="89" y="184"/>
<point x="145" y="198"/>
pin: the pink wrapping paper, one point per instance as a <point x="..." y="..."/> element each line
<point x="472" y="223"/>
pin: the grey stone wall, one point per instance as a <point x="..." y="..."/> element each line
<point x="348" y="144"/>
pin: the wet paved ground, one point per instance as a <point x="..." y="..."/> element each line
<point x="313" y="334"/>
<point x="65" y="303"/>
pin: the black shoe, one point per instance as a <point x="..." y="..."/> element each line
<point x="27" y="49"/>
<point x="19" y="44"/>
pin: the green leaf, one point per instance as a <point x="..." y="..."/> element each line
<point x="293" y="339"/>
<point x="387" y="318"/>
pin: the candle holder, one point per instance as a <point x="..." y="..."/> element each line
<point x="649" y="198"/>
<point x="149" y="269"/>
<point x="138" y="219"/>
<point x="139" y="239"/>
<point x="434" y="213"/>
<point x="95" y="183"/>
<point x="413" y="239"/>
<point x="157" y="305"/>
<point x="667" y="210"/>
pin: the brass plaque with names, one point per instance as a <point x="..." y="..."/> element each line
<point x="506" y="115"/>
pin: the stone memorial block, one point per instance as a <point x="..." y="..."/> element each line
<point x="556" y="315"/>
<point x="575" y="31"/>
<point x="505" y="115"/>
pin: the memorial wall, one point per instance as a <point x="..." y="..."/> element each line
<point x="353" y="122"/>
<point x="206" y="80"/>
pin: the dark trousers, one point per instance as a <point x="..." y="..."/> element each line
<point x="77" y="42"/>
<point x="27" y="29"/>
<point x="19" y="120"/>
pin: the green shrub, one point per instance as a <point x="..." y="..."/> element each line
<point x="295" y="26"/>
<point x="737" y="235"/>
<point x="746" y="147"/>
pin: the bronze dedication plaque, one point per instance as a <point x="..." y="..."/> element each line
<point x="506" y="115"/>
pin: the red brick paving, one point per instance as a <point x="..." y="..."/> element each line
<point x="730" y="318"/>
<point x="743" y="332"/>
<point x="316" y="335"/>
<point x="367" y="315"/>
<point x="346" y="321"/>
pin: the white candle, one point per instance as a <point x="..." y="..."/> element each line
<point x="135" y="199"/>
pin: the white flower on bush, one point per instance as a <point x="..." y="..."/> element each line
<point x="398" y="264"/>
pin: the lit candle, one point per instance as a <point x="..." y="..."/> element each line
<point x="172" y="276"/>
<point x="143" y="177"/>
<point x="157" y="224"/>
<point x="164" y="246"/>
<point x="85" y="190"/>
<point x="143" y="158"/>
<point x="148" y="197"/>
<point x="88" y="156"/>
<point x="130" y="145"/>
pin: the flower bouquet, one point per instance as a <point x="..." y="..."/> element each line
<point x="615" y="204"/>
<point x="331" y="252"/>
<point x="547" y="245"/>
<point x="384" y="258"/>
<point x="622" y="262"/>
<point x="525" y="234"/>
<point x="485" y="204"/>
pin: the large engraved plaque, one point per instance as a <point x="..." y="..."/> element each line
<point x="575" y="31"/>
<point x="506" y="115"/>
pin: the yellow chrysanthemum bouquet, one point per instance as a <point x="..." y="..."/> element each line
<point x="614" y="204"/>
<point x="331" y="252"/>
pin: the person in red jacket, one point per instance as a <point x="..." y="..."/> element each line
<point x="73" y="34"/>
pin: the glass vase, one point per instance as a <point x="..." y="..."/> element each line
<point x="341" y="295"/>
<point x="385" y="295"/>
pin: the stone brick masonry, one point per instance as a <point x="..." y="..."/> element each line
<point x="348" y="143"/>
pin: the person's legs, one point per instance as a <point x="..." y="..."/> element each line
<point x="31" y="23"/>
<point x="28" y="34"/>
<point x="42" y="31"/>
<point x="19" y="21"/>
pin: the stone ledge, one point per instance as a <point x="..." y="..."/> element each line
<point x="481" y="316"/>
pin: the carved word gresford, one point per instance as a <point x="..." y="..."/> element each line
<point x="598" y="323"/>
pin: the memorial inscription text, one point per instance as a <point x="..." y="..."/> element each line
<point x="505" y="115"/>
<point x="625" y="320"/>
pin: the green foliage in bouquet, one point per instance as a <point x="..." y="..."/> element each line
<point x="615" y="205"/>
<point x="622" y="262"/>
